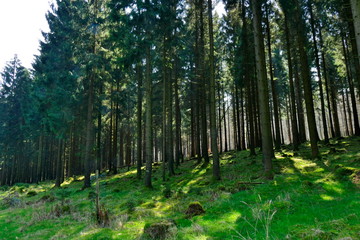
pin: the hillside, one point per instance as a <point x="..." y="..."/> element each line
<point x="308" y="199"/>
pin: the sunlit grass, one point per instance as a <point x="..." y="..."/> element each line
<point x="326" y="197"/>
<point x="306" y="197"/>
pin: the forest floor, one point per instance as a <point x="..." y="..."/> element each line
<point x="308" y="199"/>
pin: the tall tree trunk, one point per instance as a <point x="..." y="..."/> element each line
<point x="327" y="83"/>
<point x="334" y="99"/>
<point x="317" y="61"/>
<point x="220" y="134"/>
<point x="197" y="88"/>
<point x="347" y="131"/>
<point x="234" y="122"/>
<point x="251" y="120"/>
<point x="203" y="98"/>
<point x="263" y="91"/>
<point x="192" y="124"/>
<point x="164" y="152"/>
<point x="148" y="120"/>
<point x="299" y="102"/>
<point x="256" y="112"/>
<point x="111" y="130"/>
<point x="273" y="84"/>
<point x="98" y="136"/>
<point x="355" y="7"/>
<point x="58" y="164"/>
<point x="237" y="110"/>
<point x="170" y="138"/>
<point x="121" y="146"/>
<point x="225" y="125"/>
<point x="128" y="149"/>
<point x="248" y="83"/>
<point x="89" y="117"/>
<point x="305" y="74"/>
<point x="294" y="125"/>
<point x="89" y="133"/>
<point x="213" y="130"/>
<point x="139" y="121"/>
<point x="351" y="89"/>
<point x="288" y="109"/>
<point x="178" y="150"/>
<point x="353" y="26"/>
<point x="116" y="129"/>
<point x="243" y="146"/>
<point x="198" y="127"/>
<point x="40" y="158"/>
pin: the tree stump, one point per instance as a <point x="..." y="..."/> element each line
<point x="194" y="209"/>
<point x="160" y="230"/>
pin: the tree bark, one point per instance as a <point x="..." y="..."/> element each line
<point x="263" y="91"/>
<point x="148" y="121"/>
<point x="89" y="117"/>
<point x="139" y="122"/>
<point x="225" y="124"/>
<point x="318" y="69"/>
<point x="178" y="150"/>
<point x="59" y="166"/>
<point x="351" y="89"/>
<point x="273" y="85"/>
<point x="213" y="130"/>
<point x="305" y="74"/>
<point x="355" y="7"/>
<point x="294" y="125"/>
<point x="203" y="97"/>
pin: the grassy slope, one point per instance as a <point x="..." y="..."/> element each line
<point x="306" y="200"/>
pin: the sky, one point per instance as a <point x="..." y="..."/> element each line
<point x="219" y="8"/>
<point x="21" y="22"/>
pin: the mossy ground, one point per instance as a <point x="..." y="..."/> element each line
<point x="308" y="199"/>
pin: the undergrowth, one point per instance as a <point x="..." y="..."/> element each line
<point x="307" y="199"/>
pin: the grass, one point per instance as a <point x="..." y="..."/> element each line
<point x="308" y="199"/>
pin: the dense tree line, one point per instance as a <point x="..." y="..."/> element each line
<point x="137" y="82"/>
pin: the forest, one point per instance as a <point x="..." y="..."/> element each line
<point x="158" y="91"/>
